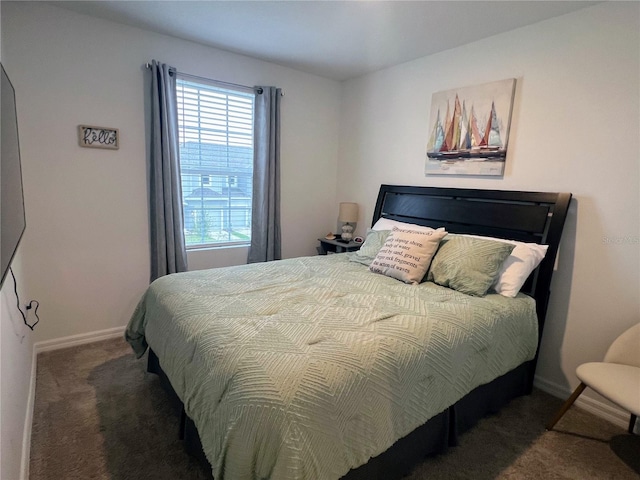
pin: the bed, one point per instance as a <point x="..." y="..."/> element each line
<point x="317" y="367"/>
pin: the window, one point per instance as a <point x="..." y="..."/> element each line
<point x="216" y="162"/>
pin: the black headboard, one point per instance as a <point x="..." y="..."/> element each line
<point x="525" y="216"/>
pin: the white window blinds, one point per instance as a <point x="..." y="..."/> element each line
<point x="216" y="162"/>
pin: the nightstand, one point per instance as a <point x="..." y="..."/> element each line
<point x="334" y="246"/>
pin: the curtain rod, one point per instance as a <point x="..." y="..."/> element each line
<point x="229" y="84"/>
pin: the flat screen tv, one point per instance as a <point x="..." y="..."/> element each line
<point x="12" y="216"/>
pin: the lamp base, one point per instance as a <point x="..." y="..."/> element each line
<point x="347" y="233"/>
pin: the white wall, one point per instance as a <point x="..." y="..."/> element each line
<point x="16" y="362"/>
<point x="575" y="128"/>
<point x="85" y="251"/>
<point x="15" y="375"/>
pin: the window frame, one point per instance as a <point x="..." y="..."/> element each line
<point x="226" y="212"/>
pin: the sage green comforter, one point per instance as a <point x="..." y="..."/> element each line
<point x="306" y="368"/>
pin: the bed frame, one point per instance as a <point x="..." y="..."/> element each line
<point x="536" y="217"/>
<point x="526" y="216"/>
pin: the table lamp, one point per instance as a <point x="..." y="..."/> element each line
<point x="348" y="216"/>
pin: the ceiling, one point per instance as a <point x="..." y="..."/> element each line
<point x="334" y="39"/>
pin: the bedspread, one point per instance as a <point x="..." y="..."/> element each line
<point x="306" y="368"/>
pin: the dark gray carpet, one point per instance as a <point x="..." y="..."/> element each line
<point x="98" y="415"/>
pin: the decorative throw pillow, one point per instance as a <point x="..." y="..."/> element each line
<point x="371" y="246"/>
<point x="406" y="254"/>
<point x="515" y="270"/>
<point x="468" y="265"/>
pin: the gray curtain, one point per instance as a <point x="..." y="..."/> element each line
<point x="168" y="252"/>
<point x="265" y="216"/>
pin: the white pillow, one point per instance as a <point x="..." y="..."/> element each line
<point x="515" y="270"/>
<point x="406" y="254"/>
<point x="388" y="224"/>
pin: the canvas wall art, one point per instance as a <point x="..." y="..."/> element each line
<point x="469" y="129"/>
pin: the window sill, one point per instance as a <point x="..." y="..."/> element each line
<point x="206" y="248"/>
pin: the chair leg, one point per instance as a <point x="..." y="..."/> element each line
<point x="632" y="423"/>
<point x="576" y="393"/>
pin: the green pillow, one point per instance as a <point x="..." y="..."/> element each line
<point x="468" y="265"/>
<point x="371" y="246"/>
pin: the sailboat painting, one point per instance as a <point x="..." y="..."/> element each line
<point x="469" y="129"/>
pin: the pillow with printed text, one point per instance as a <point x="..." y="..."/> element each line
<point x="406" y="254"/>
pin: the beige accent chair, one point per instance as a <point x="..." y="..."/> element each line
<point x="617" y="378"/>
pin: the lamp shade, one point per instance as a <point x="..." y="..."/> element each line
<point x="348" y="212"/>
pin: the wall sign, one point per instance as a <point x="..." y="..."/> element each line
<point x="98" y="137"/>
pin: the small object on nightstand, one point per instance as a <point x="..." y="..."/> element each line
<point x="336" y="246"/>
<point x="330" y="236"/>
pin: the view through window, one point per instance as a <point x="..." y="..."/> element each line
<point x="216" y="162"/>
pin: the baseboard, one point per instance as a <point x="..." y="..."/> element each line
<point x="73" y="340"/>
<point x="28" y="421"/>
<point x="603" y="410"/>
